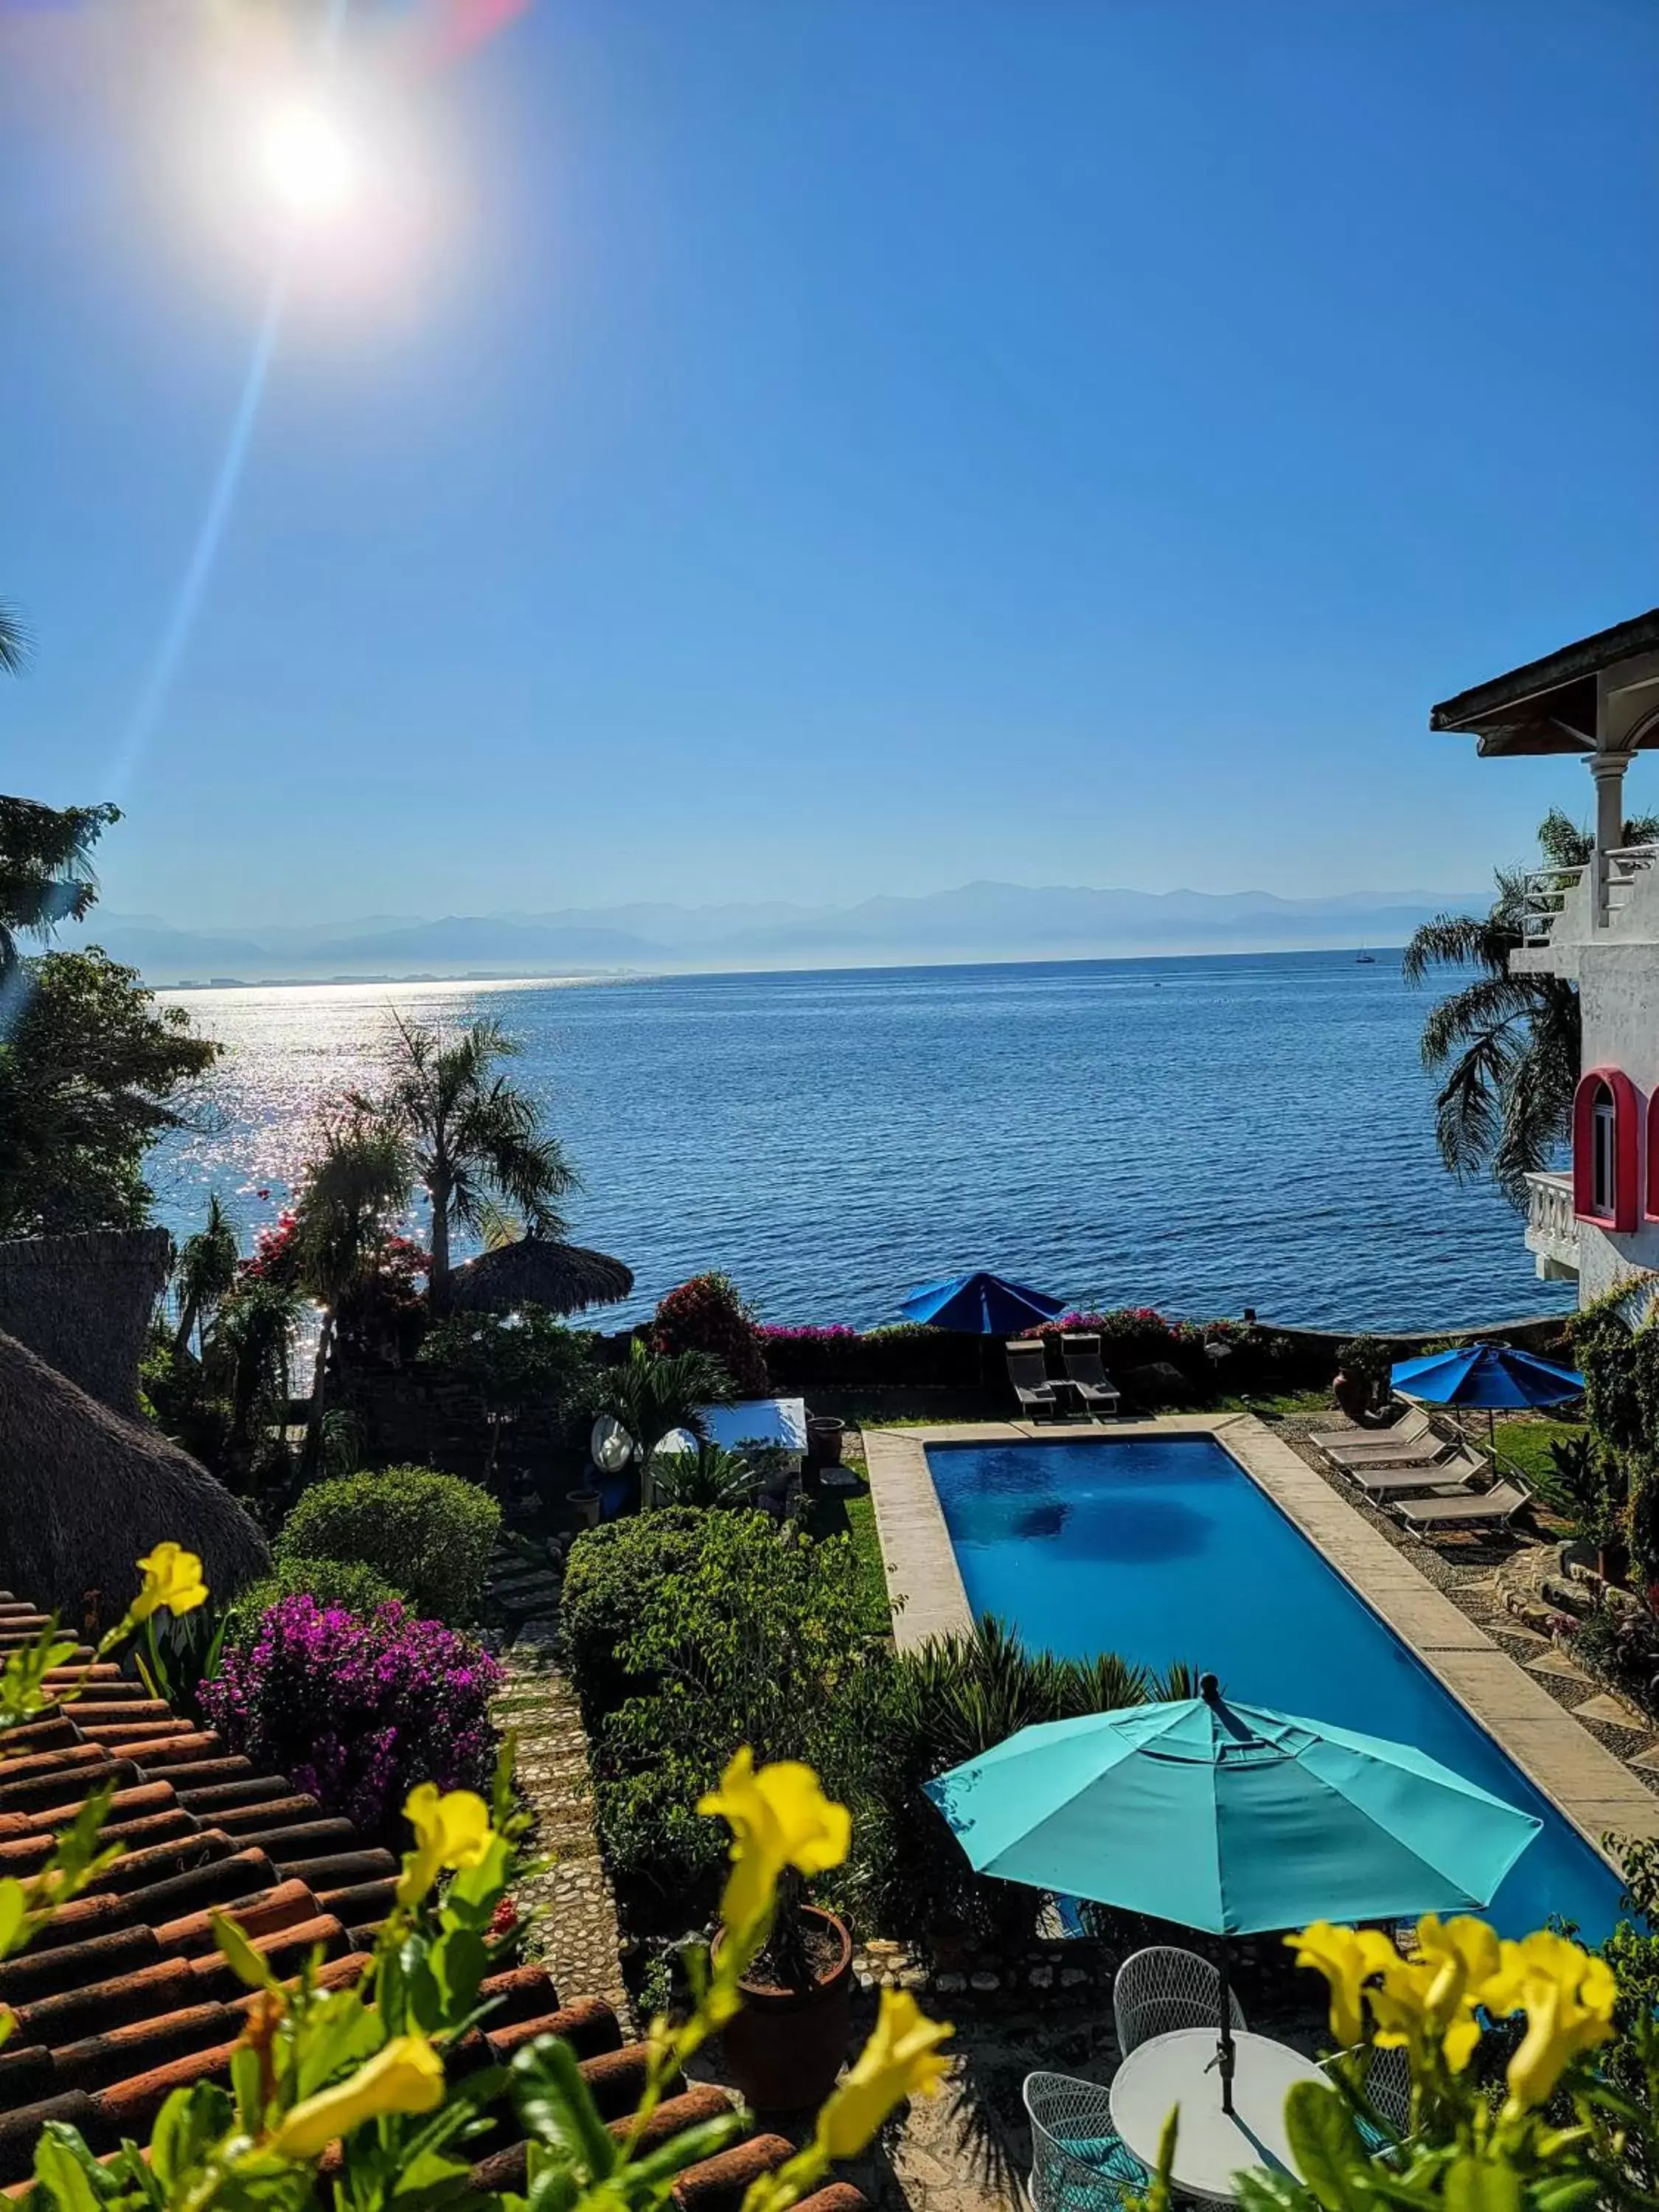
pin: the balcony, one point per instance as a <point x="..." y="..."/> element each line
<point x="1564" y="909"/>
<point x="1553" y="1227"/>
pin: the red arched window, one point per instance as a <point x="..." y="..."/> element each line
<point x="1652" y="1205"/>
<point x="1606" y="1126"/>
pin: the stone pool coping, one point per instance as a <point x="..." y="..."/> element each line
<point x="1583" y="1778"/>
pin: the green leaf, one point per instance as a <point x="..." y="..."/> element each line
<point x="244" y="1962"/>
<point x="1480" y="2185"/>
<point x="553" y="2103"/>
<point x="66" y="2169"/>
<point x="187" y="2126"/>
<point x="1328" y="2154"/>
<point x="248" y="2085"/>
<point x="13" y="1911"/>
<point x="459" y="1962"/>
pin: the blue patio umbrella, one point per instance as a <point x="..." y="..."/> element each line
<point x="981" y="1305"/>
<point x="1232" y="1819"/>
<point x="1488" y="1375"/>
<point x="1493" y="1377"/>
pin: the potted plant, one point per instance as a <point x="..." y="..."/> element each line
<point x="784" y="2050"/>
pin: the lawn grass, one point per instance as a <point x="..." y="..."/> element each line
<point x="850" y="1513"/>
<point x="1524" y="1440"/>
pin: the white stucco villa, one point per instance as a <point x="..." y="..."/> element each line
<point x="1599" y="927"/>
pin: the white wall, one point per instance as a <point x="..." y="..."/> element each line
<point x="1618" y="996"/>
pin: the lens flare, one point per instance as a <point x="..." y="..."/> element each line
<point x="307" y="162"/>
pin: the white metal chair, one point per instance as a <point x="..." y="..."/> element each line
<point x="1078" y="2161"/>
<point x="1388" y="2089"/>
<point x="1164" y="1988"/>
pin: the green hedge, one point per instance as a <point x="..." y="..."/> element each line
<point x="429" y="1534"/>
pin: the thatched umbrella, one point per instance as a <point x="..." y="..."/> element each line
<point x="83" y="1492"/>
<point x="84" y="1304"/>
<point x="536" y="1272"/>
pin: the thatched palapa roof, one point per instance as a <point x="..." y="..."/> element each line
<point x="83" y="1492"/>
<point x="535" y="1272"/>
<point x="84" y="1304"/>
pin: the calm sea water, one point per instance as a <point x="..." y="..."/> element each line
<point x="1147" y="1539"/>
<point x="1197" y="1134"/>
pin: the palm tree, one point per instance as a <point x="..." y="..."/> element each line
<point x="255" y="1330"/>
<point x="1505" y="1047"/>
<point x="653" y="1393"/>
<point x="354" y="1191"/>
<point x="474" y="1136"/>
<point x="204" y="1274"/>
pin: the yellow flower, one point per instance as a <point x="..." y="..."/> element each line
<point x="173" y="1578"/>
<point x="452" y="1831"/>
<point x="406" y="2076"/>
<point x="900" y="2060"/>
<point x="1431" y="1997"/>
<point x="778" y="1818"/>
<point x="1347" y="1959"/>
<point x="1568" y="1998"/>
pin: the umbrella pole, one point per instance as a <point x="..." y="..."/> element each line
<point x="1228" y="2055"/>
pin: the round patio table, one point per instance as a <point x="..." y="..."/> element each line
<point x="1210" y="2146"/>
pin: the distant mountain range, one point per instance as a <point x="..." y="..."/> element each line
<point x="982" y="921"/>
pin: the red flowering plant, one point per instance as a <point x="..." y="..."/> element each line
<point x="709" y="1314"/>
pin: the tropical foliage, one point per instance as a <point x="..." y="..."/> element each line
<point x="353" y="1191"/>
<point x="709" y="1314"/>
<point x="474" y="1140"/>
<point x="203" y="1272"/>
<point x="651" y="1394"/>
<point x="519" y="1364"/>
<point x="91" y="1073"/>
<point x="1615" y="1343"/>
<point x="356" y="1708"/>
<point x="1464" y="2006"/>
<point x="1504" y="1047"/>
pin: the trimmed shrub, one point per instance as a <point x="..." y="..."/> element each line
<point x="429" y="1534"/>
<point x="358" y="1712"/>
<point x="609" y="1580"/>
<point x="689" y="1633"/>
<point x="709" y="1314"/>
<point x="347" y="1583"/>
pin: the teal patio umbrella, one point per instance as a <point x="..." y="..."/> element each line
<point x="1230" y="1819"/>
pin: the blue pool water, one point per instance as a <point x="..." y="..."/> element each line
<point x="1166" y="1549"/>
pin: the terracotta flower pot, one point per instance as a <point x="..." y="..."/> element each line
<point x="785" y="2048"/>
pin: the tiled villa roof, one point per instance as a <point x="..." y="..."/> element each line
<point x="124" y="1998"/>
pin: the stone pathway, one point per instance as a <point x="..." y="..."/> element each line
<point x="576" y="1932"/>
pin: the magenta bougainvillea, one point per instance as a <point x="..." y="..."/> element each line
<point x="834" y="1331"/>
<point x="356" y="1710"/>
<point x="709" y="1314"/>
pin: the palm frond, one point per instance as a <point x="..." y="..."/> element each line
<point x="16" y="644"/>
<point x="1459" y="940"/>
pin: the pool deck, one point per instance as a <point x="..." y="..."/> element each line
<point x="1592" y="1787"/>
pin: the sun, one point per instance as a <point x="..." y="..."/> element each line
<point x="307" y="162"/>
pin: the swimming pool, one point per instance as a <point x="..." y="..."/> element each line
<point x="1162" y="1549"/>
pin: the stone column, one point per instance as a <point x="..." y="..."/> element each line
<point x="1609" y="769"/>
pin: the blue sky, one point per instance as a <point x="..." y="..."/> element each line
<point x="807" y="449"/>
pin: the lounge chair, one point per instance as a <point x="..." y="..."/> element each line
<point x="1419" y="1454"/>
<point x="1028" y="1372"/>
<point x="1458" y="1472"/>
<point x="1086" y="1376"/>
<point x="1415" y="1425"/>
<point x="1488" y="1509"/>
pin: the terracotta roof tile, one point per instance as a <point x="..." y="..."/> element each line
<point x="123" y="1998"/>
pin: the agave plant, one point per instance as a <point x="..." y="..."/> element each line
<point x="709" y="1475"/>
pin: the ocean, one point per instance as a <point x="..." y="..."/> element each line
<point x="1197" y="1135"/>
